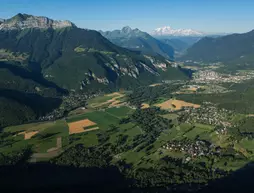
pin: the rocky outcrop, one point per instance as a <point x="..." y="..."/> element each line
<point x="158" y="64"/>
<point x="1" y="21"/>
<point x="24" y="21"/>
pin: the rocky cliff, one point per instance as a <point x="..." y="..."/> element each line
<point x="24" y="21"/>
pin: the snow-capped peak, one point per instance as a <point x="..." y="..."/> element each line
<point x="168" y="31"/>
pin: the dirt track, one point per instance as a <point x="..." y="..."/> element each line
<point x="51" y="153"/>
<point x="58" y="145"/>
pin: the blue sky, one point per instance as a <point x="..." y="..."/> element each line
<point x="204" y="15"/>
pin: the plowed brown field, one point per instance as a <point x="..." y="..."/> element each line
<point x="78" y="126"/>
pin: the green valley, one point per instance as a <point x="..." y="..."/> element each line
<point x="208" y="142"/>
<point x="121" y="111"/>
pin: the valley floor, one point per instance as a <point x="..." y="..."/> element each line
<point x="182" y="133"/>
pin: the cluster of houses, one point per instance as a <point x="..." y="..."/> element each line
<point x="221" y="131"/>
<point x="207" y="114"/>
<point x="192" y="149"/>
<point x="197" y="148"/>
<point x="69" y="103"/>
<point x="208" y="76"/>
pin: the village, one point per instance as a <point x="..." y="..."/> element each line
<point x="69" y="103"/>
<point x="193" y="149"/>
<point x="208" y="113"/>
<point x="210" y="76"/>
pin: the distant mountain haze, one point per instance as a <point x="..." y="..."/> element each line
<point x="235" y="48"/>
<point x="169" y="31"/>
<point x="137" y="40"/>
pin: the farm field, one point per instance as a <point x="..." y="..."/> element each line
<point x="110" y="100"/>
<point x="173" y="104"/>
<point x="119" y="112"/>
<point x="80" y="126"/>
<point x="28" y="135"/>
<point x="43" y="136"/>
<point x="145" y="106"/>
<point x="140" y="138"/>
<point x="101" y="118"/>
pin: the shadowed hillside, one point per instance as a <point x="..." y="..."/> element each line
<point x="52" y="179"/>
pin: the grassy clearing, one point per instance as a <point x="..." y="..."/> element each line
<point x="194" y="133"/>
<point x="220" y="140"/>
<point x="127" y="129"/>
<point x="103" y="119"/>
<point x="87" y="139"/>
<point x="174" y="154"/>
<point x="60" y="128"/>
<point x="229" y="165"/>
<point x="184" y="127"/>
<point x="182" y="131"/>
<point x="29" y="127"/>
<point x="172" y="134"/>
<point x="241" y="149"/>
<point x="204" y="126"/>
<point x="132" y="157"/>
<point x="101" y="99"/>
<point x="16" y="146"/>
<point x="119" y="112"/>
<point x="111" y="100"/>
<point x="247" y="144"/>
<point x="42" y="141"/>
<point x="44" y="145"/>
<point x="175" y="133"/>
<point x="170" y="116"/>
<point x="131" y="130"/>
<point x="205" y="136"/>
<point x="199" y="131"/>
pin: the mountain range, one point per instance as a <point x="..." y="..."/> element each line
<point x="231" y="49"/>
<point x="137" y="40"/>
<point x="168" y="31"/>
<point x="42" y="60"/>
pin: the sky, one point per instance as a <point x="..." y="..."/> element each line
<point x="209" y="16"/>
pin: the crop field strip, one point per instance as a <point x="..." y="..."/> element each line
<point x="176" y="105"/>
<point x="28" y="135"/>
<point x="80" y="126"/>
<point x="90" y="125"/>
<point x="109" y="100"/>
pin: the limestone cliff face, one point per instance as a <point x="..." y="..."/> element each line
<point x="24" y="21"/>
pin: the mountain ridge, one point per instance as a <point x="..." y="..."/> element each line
<point x="25" y="21"/>
<point x="234" y="49"/>
<point x="50" y="64"/>
<point x="168" y="31"/>
<point x="138" y="40"/>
